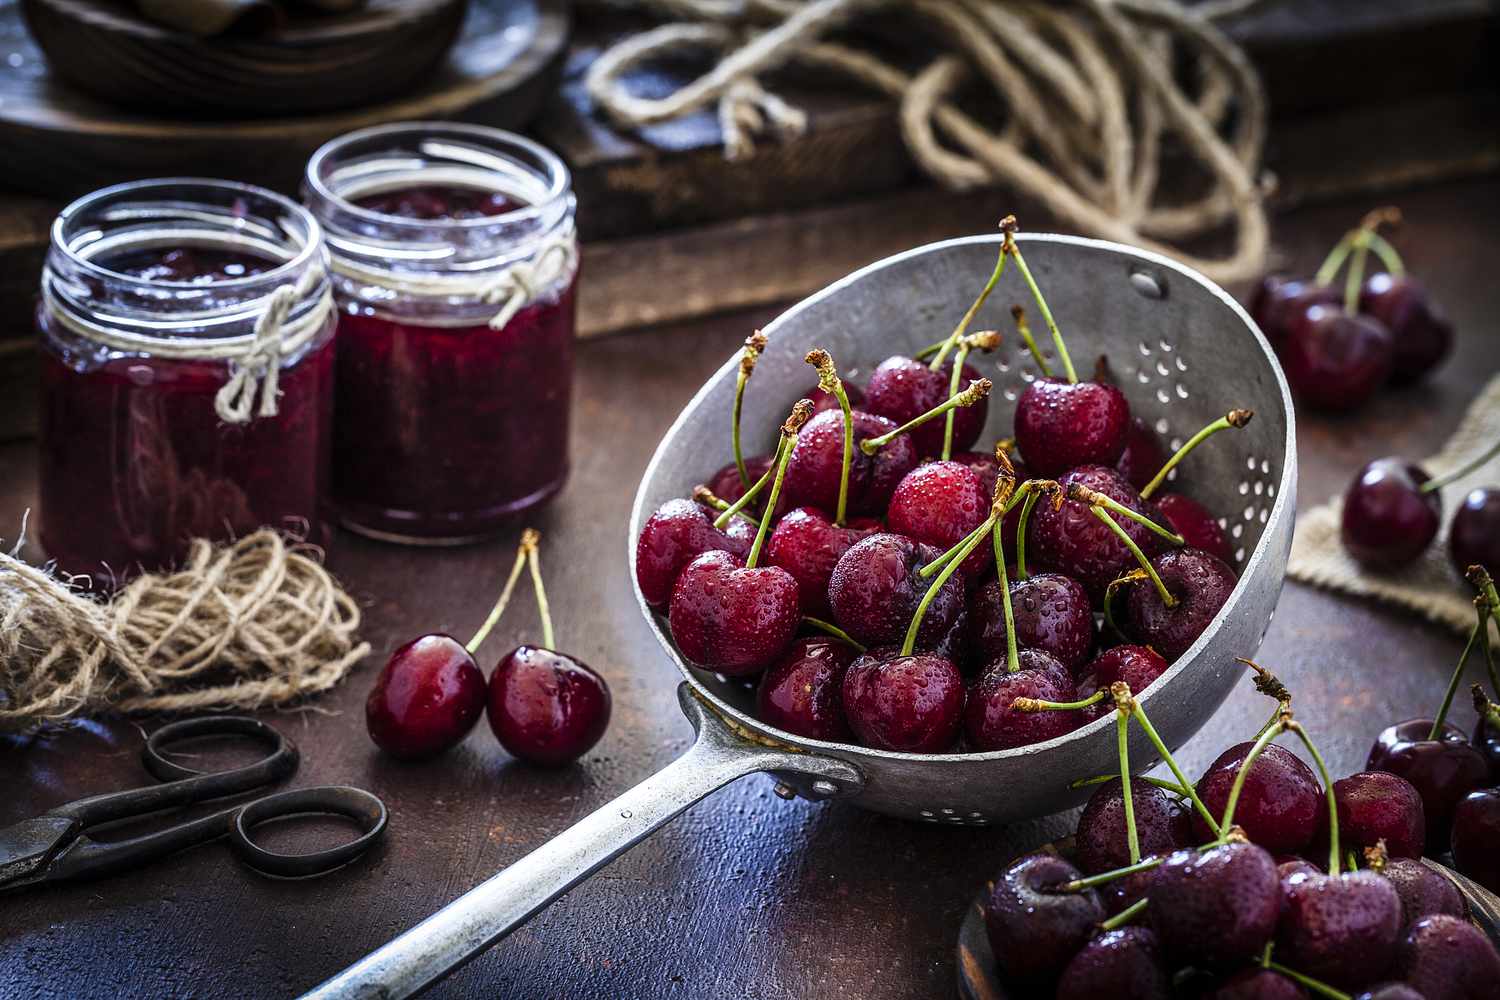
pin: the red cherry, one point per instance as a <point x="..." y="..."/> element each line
<point x="1388" y="520"/>
<point x="1424" y="337"/>
<point x="803" y="692"/>
<point x="1476" y="837"/>
<point x="939" y="504"/>
<point x="1474" y="536"/>
<point x="1442" y="770"/>
<point x="991" y="720"/>
<point x="1340" y="929"/>
<point x="902" y="389"/>
<point x="726" y="485"/>
<point x="732" y="619"/>
<point x="876" y="588"/>
<point x="1072" y="541"/>
<point x="1279" y="805"/>
<point x="1279" y="303"/>
<point x="813" y="477"/>
<point x="1335" y="361"/>
<point x="1143" y="456"/>
<point x="426" y="699"/>
<point x="912" y="704"/>
<point x="1051" y="611"/>
<point x="547" y="707"/>
<point x="1200" y="584"/>
<point x="1215" y="906"/>
<point x="1061" y="425"/>
<point x="674" y="535"/>
<point x="1197" y="526"/>
<point x="1375" y="806"/>
<point x="807" y="544"/>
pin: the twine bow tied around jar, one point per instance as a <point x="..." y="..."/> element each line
<point x="259" y="366"/>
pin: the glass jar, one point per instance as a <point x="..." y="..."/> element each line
<point x="187" y="331"/>
<point x="455" y="265"/>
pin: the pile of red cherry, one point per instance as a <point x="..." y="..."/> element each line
<point x="1265" y="880"/>
<point x="544" y="707"/>
<point x="951" y="591"/>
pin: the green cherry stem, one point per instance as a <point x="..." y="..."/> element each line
<point x="1010" y="248"/>
<point x="1335" y="259"/>
<point x="706" y="496"/>
<point x="529" y="539"/>
<point x="1125" y="916"/>
<point x="1012" y="654"/>
<point x="754" y="345"/>
<point x="1317" y="986"/>
<point x="834" y="631"/>
<point x="1099" y="779"/>
<point x="1438" y="482"/>
<point x="499" y="609"/>
<point x="1227" y="821"/>
<point x="963" y="324"/>
<point x="1146" y="567"/>
<point x="1122" y="742"/>
<point x="799" y="416"/>
<point x="1481" y="628"/>
<point x="1024" y="329"/>
<point x="1043" y="705"/>
<point x="1234" y="418"/>
<point x="977" y="390"/>
<point x="754" y="491"/>
<point x="829" y="381"/>
<point x="1480" y="578"/>
<point x="1171" y="762"/>
<point x="968" y="546"/>
<point x="926" y="353"/>
<point x="1093" y="498"/>
<point x="1294" y="726"/>
<point x="937" y="564"/>
<point x="1104" y="878"/>
<point x="953" y="380"/>
<point x="1389" y="258"/>
<point x="1021" y="524"/>
<point x="1355" y="276"/>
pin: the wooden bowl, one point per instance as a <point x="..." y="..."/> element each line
<point x="314" y="62"/>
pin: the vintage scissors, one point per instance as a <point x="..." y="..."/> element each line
<point x="56" y="847"/>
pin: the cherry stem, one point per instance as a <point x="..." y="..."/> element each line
<point x="953" y="380"/>
<point x="1161" y="588"/>
<point x="1265" y="954"/>
<point x="1042" y="705"/>
<point x="1104" y="878"/>
<point x="529" y="539"/>
<point x="1486" y="709"/>
<point x="1264" y="740"/>
<point x="1356" y="273"/>
<point x="977" y="390"/>
<point x="928" y="351"/>
<point x="1081" y="493"/>
<point x="1317" y="986"/>
<point x="750" y="495"/>
<point x="1099" y="779"/>
<point x="800" y="413"/>
<point x="1122" y="742"/>
<point x="1234" y="418"/>
<point x="499" y="609"/>
<point x="967" y="546"/>
<point x="1012" y="654"/>
<point x="829" y="381"/>
<point x="1389" y="258"/>
<point x="706" y="496"/>
<point x="1031" y="498"/>
<point x="1480" y="578"/>
<point x="1134" y="576"/>
<point x="1335" y="259"/>
<point x="947" y="557"/>
<point x="1333" y="813"/>
<point x="834" y="631"/>
<point x="968" y="317"/>
<point x="1463" y="470"/>
<point x="754" y="344"/>
<point x="1125" y="916"/>
<point x="1011" y="248"/>
<point x="1024" y="329"/>
<point x="1481" y="628"/>
<point x="1171" y="762"/>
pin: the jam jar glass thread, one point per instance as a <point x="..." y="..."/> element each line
<point x="454" y="260"/>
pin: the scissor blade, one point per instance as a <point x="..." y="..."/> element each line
<point x="26" y="847"/>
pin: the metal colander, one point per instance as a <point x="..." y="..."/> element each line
<point x="1184" y="353"/>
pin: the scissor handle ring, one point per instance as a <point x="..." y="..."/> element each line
<point x="278" y="764"/>
<point x="339" y="800"/>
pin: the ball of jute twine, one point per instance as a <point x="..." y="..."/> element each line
<point x="255" y="623"/>
<point x="1086" y="89"/>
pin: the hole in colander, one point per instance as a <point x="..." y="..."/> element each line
<point x="1167" y="345"/>
<point x="1148" y="284"/>
<point x="1145" y="349"/>
<point x="1161" y="428"/>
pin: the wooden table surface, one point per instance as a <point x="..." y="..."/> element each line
<point x="745" y="895"/>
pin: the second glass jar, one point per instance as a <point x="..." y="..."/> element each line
<point x="455" y="267"/>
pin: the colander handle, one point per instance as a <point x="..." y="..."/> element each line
<point x="488" y="912"/>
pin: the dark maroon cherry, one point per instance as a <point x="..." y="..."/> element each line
<point x="1423" y="891"/>
<point x="1447" y="958"/>
<point x="731" y="619"/>
<point x="1161" y="825"/>
<point x="1474" y="536"/>
<point x="1290" y="869"/>
<point x="1072" y="541"/>
<point x="992" y="723"/>
<point x="1256" y="983"/>
<point x="875" y="590"/>
<point x="1375" y="806"/>
<point x="547" y="707"/>
<point x="677" y="533"/>
<point x="913" y="704"/>
<point x="988" y="470"/>
<point x="1443" y="770"/>
<point x="1476" y="837"/>
<point x="825" y="400"/>
<point x="1341" y="929"/>
<point x="1280" y="302"/>
<point x="1215" y="906"/>
<point x="1335" y="361"/>
<point x="1122" y="893"/>
<point x="803" y="692"/>
<point x="1143" y="456"/>
<point x="1388" y="521"/>
<point x="902" y="389"/>
<point x="1062" y="425"/>
<point x="1137" y="666"/>
<point x="726" y="484"/>
<point x="939" y="504"/>
<point x="1035" y="929"/>
<point x="808" y="545"/>
<point x="1486" y="740"/>
<point x="1201" y="585"/>
<point x="1051" y="611"/>
<point x="812" y="478"/>
<point x="1280" y="802"/>
<point x="1423" y="334"/>
<point x="1199" y="528"/>
<point x="426" y="699"/>
<point x="1123" y="964"/>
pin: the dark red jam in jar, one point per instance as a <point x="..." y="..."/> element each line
<point x="187" y="374"/>
<point x="455" y="265"/>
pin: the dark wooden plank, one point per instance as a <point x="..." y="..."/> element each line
<point x="745" y="895"/>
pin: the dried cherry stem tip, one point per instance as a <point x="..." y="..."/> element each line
<point x="1480" y="633"/>
<point x="1234" y="418"/>
<point x="829" y="381"/>
<point x="1042" y="705"/>
<point x="754" y="345"/>
<point x="504" y="599"/>
<point x="1093" y="498"/>
<point x="977" y="390"/>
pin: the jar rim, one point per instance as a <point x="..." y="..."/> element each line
<point x="559" y="182"/>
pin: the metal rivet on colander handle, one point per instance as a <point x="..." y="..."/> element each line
<point x="1150" y="285"/>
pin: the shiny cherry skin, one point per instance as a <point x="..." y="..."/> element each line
<point x="1424" y="336"/>
<point x="913" y="704"/>
<point x="1341" y="929"/>
<point x="1215" y="906"/>
<point x="990" y="721"/>
<point x="813" y="474"/>
<point x="1279" y="805"/>
<point x="1161" y="825"/>
<point x="939" y="504"/>
<point x="426" y="699"/>
<point x="1060" y="426"/>
<point x="1122" y="893"/>
<point x="1474" y="536"/>
<point x="1486" y="740"/>
<point x="1335" y="361"/>
<point x="1137" y="666"/>
<point x="1200" y="583"/>
<point x="1448" y="958"/>
<point x="1443" y="770"/>
<point x="1423" y="891"/>
<point x="1475" y="839"/>
<point x="726" y="485"/>
<point x="988" y="470"/>
<point x="1051" y="611"/>
<point x="823" y="400"/>
<point x="1035" y="930"/>
<point x="1143" y="456"/>
<point x="1375" y="806"/>
<point x="1255" y="983"/>
<point x="1123" y="964"/>
<point x="808" y="545"/>
<point x="675" y="534"/>
<point x="1072" y="541"/>
<point x="1197" y="526"/>
<point x="546" y="707"/>
<point x="731" y="619"/>
<point x="875" y="590"/>
<point x="901" y="389"/>
<point x="803" y="692"/>
<point x="1387" y="520"/>
<point x="1390" y="991"/>
<point x="1279" y="302"/>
